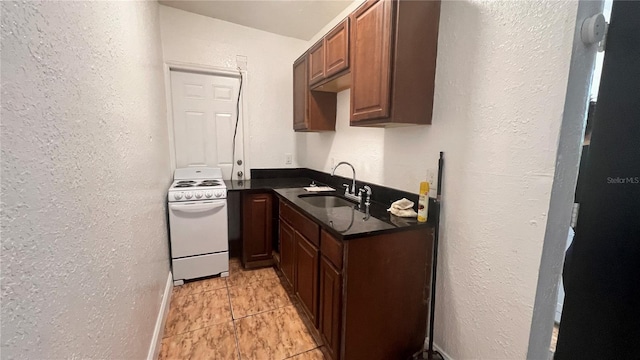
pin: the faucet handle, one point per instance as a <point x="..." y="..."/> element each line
<point x="366" y="189"/>
<point x="346" y="188"/>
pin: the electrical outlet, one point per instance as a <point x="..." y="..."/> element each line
<point x="431" y="177"/>
<point x="288" y="159"/>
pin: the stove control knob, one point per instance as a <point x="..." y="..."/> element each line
<point x="218" y="193"/>
<point x="178" y="196"/>
<point x="208" y="194"/>
<point x="198" y="195"/>
<point x="188" y="195"/>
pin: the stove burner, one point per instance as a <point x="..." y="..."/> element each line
<point x="183" y="185"/>
<point x="186" y="182"/>
<point x="209" y="183"/>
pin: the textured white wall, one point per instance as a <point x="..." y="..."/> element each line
<point x="85" y="168"/>
<point x="197" y="39"/>
<point x="500" y="88"/>
<point x="581" y="72"/>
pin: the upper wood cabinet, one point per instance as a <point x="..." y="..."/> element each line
<point x="316" y="63"/>
<point x="329" y="56"/>
<point x="393" y="62"/>
<point x="336" y="45"/>
<point x="371" y="58"/>
<point x="300" y="94"/>
<point x="385" y="51"/>
<point x="312" y="110"/>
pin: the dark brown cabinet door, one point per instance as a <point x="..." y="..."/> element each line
<point x="330" y="306"/>
<point x="336" y="48"/>
<point x="287" y="252"/>
<point x="316" y="62"/>
<point x="306" y="275"/>
<point x="300" y="94"/>
<point x="257" y="232"/>
<point x="371" y="60"/>
<point x="312" y="110"/>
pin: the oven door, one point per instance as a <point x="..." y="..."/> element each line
<point x="198" y="227"/>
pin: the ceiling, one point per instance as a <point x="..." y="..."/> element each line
<point x="295" y="18"/>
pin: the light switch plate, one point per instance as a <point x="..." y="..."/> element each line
<point x="431" y="178"/>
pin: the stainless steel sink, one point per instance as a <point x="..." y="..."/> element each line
<point x="326" y="201"/>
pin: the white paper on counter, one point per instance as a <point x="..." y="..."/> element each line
<point x="319" y="188"/>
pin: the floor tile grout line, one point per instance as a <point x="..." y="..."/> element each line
<point x="304" y="352"/>
<point x="314" y="343"/>
<point x="212" y="325"/>
<point x="228" y="286"/>
<point x="199" y="292"/>
<point x="251" y="282"/>
<point x="235" y="330"/>
<point x="261" y="312"/>
<point x="204" y="327"/>
<point x="247" y="288"/>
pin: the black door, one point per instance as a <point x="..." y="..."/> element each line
<point x="601" y="312"/>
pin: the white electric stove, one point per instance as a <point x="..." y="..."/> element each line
<point x="198" y="224"/>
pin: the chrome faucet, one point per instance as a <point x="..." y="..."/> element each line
<point x="348" y="193"/>
<point x="351" y="193"/>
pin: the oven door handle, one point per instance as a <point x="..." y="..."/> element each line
<point x="188" y="208"/>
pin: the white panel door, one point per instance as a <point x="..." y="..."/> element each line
<point x="204" y="121"/>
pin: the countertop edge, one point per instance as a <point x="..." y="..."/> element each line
<point x="272" y="185"/>
<point x="343" y="237"/>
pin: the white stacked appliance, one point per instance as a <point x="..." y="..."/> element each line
<point x="197" y="205"/>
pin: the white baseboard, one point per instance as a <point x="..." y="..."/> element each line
<point x="442" y="352"/>
<point x="156" y="341"/>
<point x="437" y="348"/>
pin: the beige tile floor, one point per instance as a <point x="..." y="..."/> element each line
<point x="245" y="316"/>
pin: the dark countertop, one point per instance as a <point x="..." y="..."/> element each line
<point x="267" y="184"/>
<point x="341" y="222"/>
<point x="350" y="222"/>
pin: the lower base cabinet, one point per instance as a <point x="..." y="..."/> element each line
<point x="257" y="233"/>
<point x="368" y="297"/>
<point x="299" y="262"/>
<point x="330" y="306"/>
<point x="306" y="274"/>
<point x="287" y="252"/>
